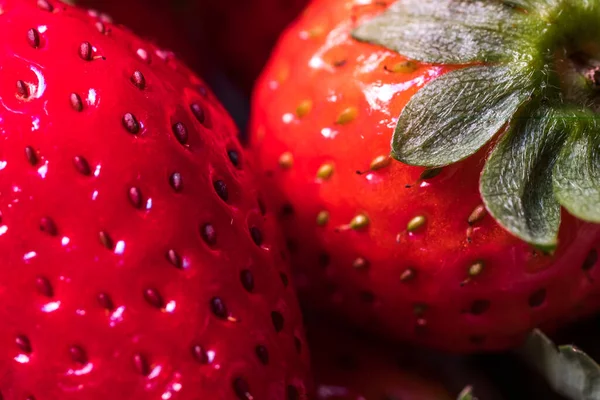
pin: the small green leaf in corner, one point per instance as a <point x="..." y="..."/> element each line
<point x="568" y="370"/>
<point x="449" y="31"/>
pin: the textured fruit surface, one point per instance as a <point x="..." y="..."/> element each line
<point x="136" y="262"/>
<point x="347" y="367"/>
<point x="410" y="254"/>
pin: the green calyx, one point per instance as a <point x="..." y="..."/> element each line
<point x="531" y="74"/>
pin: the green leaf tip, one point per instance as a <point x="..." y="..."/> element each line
<point x="567" y="369"/>
<point x="528" y="87"/>
<point x="466" y="394"/>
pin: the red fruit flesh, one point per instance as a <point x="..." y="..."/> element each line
<point x="135" y="260"/>
<point x="326" y="108"/>
<point x="348" y="367"/>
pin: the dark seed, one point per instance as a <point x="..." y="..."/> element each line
<point x="44" y="287"/>
<point x="105" y="302"/>
<point x="479" y="307"/>
<point x="23" y="343"/>
<point x="176" y="182"/>
<point x="199" y="354"/>
<point x="324" y="260"/>
<point x="22" y="89"/>
<point x="277" y="320"/>
<point x="153" y="298"/>
<point x="241" y="389"/>
<point x="234" y="157"/>
<point x="180" y="132"/>
<point x="82" y="165"/>
<point x="221" y="189"/>
<point x="137" y="78"/>
<point x="131" y="123"/>
<point x="76" y="103"/>
<point x="263" y="354"/>
<point x="298" y="344"/>
<point x="78" y="355"/>
<point x="284" y="279"/>
<point x="591" y="260"/>
<point x="174" y="258"/>
<point x="256" y="235"/>
<point x="292" y="393"/>
<point x="261" y="206"/>
<point x="106" y="240"/>
<point x="141" y="364"/>
<point x="537" y="298"/>
<point x="247" y="280"/>
<point x="48" y="226"/>
<point x="367" y="297"/>
<point x="218" y="308"/>
<point x="31" y="155"/>
<point x="85" y="51"/>
<point x="44" y="5"/>
<point x="209" y="235"/>
<point x="33" y="38"/>
<point x="287" y="210"/>
<point x="135" y="197"/>
<point x="198" y="112"/>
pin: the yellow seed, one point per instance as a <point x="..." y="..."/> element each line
<point x="283" y="74"/>
<point x="323" y="218"/>
<point x="347" y="115"/>
<point x="316" y="32"/>
<point x="359" y="222"/>
<point x="408" y="275"/>
<point x="380" y="162"/>
<point x="404" y="67"/>
<point x="360" y="263"/>
<point x="325" y="171"/>
<point x="286" y="160"/>
<point x="477" y="215"/>
<point x="416" y="223"/>
<point x="476" y="269"/>
<point x="304" y="108"/>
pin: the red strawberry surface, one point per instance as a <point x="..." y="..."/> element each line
<point x="406" y="251"/>
<point x="136" y="262"/>
<point x="155" y="20"/>
<point x="348" y="367"/>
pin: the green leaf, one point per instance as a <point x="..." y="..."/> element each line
<point x="456" y="114"/>
<point x="449" y="31"/>
<point x="516" y="183"/>
<point x="568" y="370"/>
<point x="577" y="171"/>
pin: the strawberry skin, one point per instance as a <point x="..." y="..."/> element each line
<point x="414" y="257"/>
<point x="136" y="259"/>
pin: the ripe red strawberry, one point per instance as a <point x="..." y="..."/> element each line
<point x="136" y="262"/>
<point x="155" y="20"/>
<point x="420" y="245"/>
<point x="347" y="367"/>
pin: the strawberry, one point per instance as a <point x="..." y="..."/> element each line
<point x="348" y="367"/>
<point x="136" y="260"/>
<point x="480" y="222"/>
<point x="155" y="20"/>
